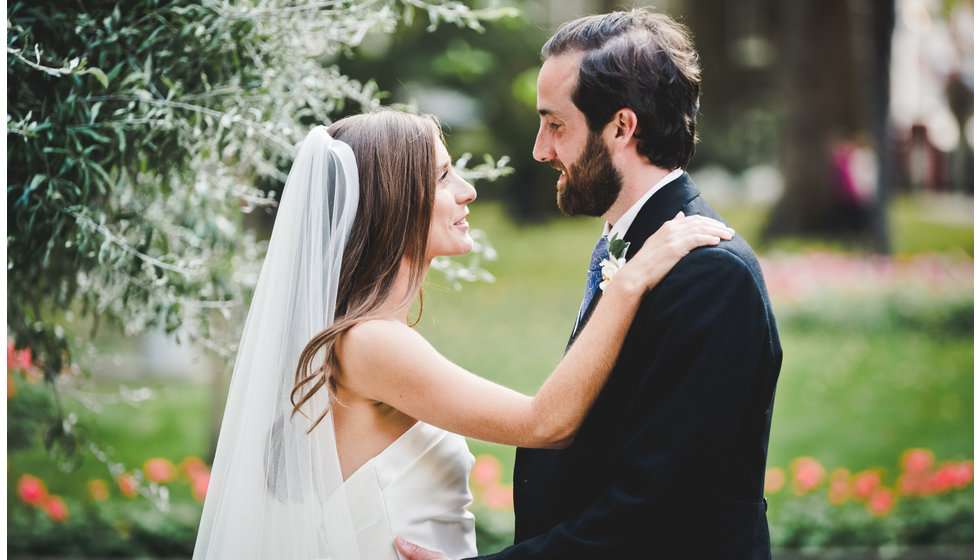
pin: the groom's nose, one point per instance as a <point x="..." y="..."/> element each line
<point x="543" y="148"/>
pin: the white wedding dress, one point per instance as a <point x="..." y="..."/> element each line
<point x="276" y="489"/>
<point x="417" y="488"/>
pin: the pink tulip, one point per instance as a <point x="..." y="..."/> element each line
<point x="917" y="460"/>
<point x="775" y="480"/>
<point x="159" y="470"/>
<point x="807" y="474"/>
<point x="881" y="501"/>
<point x="499" y="497"/>
<point x="127" y="485"/>
<point x="192" y="467"/>
<point x="199" y="486"/>
<point x="866" y="483"/>
<point x="486" y="470"/>
<point x="56" y="509"/>
<point x="31" y="490"/>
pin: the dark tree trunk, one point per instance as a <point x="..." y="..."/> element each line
<point x="835" y="63"/>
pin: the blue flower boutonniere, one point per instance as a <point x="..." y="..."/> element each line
<point x="616" y="260"/>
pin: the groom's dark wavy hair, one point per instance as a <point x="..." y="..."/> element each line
<point x="396" y="167"/>
<point x="641" y="60"/>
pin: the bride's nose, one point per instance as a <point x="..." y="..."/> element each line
<point x="465" y="193"/>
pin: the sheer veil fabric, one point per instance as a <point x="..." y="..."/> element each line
<point x="271" y="481"/>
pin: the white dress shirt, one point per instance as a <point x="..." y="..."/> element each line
<point x="623" y="224"/>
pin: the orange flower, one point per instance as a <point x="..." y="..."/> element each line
<point x="840" y="486"/>
<point x="159" y="470"/>
<point x="775" y="480"/>
<point x="881" y="501"/>
<point x="11" y="386"/>
<point x="807" y="474"/>
<point x="866" y="483"/>
<point x="127" y="484"/>
<point x="99" y="489"/>
<point x="31" y="490"/>
<point x="56" y="509"/>
<point x="917" y="460"/>
<point x="486" y="470"/>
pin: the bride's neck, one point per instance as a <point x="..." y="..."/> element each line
<point x="399" y="302"/>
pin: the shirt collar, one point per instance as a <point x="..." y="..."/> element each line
<point x="623" y="224"/>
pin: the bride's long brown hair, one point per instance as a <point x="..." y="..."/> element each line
<point x="395" y="154"/>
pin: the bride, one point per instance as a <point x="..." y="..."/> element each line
<point x="340" y="429"/>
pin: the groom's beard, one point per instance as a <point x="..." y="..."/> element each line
<point x="592" y="183"/>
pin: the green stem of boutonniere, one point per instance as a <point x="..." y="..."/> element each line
<point x="618" y="247"/>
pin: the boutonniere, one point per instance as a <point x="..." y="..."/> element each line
<point x="616" y="260"/>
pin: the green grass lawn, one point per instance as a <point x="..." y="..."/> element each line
<point x="852" y="393"/>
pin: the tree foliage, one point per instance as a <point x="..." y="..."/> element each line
<point x="139" y="133"/>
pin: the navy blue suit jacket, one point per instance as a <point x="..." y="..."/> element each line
<point x="670" y="461"/>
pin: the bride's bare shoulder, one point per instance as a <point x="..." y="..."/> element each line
<point x="375" y="338"/>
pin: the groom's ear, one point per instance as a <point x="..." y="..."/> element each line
<point x="624" y="122"/>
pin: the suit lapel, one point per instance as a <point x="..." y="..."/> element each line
<point x="662" y="206"/>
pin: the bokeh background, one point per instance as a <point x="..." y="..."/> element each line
<point x="147" y="141"/>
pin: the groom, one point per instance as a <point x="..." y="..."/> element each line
<point x="670" y="461"/>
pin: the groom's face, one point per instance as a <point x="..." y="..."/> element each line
<point x="589" y="182"/>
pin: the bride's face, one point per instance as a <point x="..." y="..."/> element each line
<point x="448" y="231"/>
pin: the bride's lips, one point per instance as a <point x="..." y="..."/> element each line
<point x="462" y="223"/>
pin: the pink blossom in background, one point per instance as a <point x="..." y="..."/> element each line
<point x="499" y="496"/>
<point x="486" y="470"/>
<point x="866" y="484"/>
<point x="917" y="460"/>
<point x="840" y="486"/>
<point x="159" y="470"/>
<point x="56" y="509"/>
<point x="31" y="490"/>
<point x="127" y="485"/>
<point x="796" y="277"/>
<point x="881" y="501"/>
<point x="775" y="479"/>
<point x="192" y="467"/>
<point x="807" y="474"/>
<point x="199" y="486"/>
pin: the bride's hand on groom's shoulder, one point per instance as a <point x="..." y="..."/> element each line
<point x="413" y="551"/>
<point x="675" y="239"/>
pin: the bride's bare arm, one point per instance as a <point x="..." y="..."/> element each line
<point x="388" y="362"/>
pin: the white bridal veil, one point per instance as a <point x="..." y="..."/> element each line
<point x="272" y="490"/>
